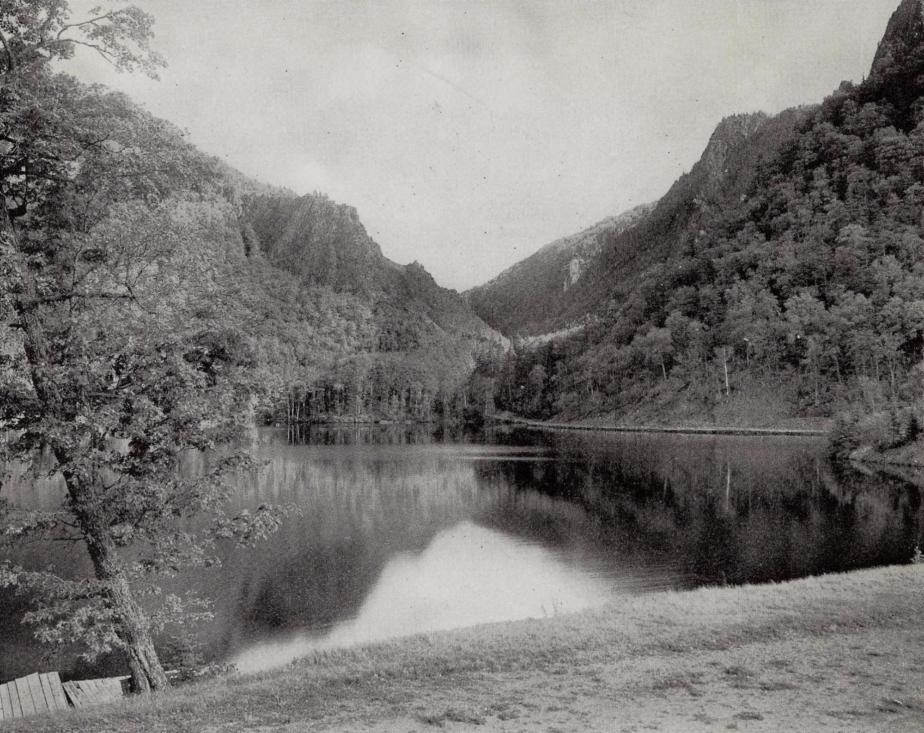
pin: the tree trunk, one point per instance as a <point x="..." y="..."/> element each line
<point x="725" y="367"/>
<point x="146" y="670"/>
<point x="727" y="485"/>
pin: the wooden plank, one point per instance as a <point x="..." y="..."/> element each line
<point x="34" y="681"/>
<point x="114" y="687"/>
<point x="25" y="696"/>
<point x="48" y="688"/>
<point x="17" y="703"/>
<point x="88" y="692"/>
<point x="106" y="690"/>
<point x="57" y="690"/>
<point x="38" y="694"/>
<point x="5" y="704"/>
<point x="84" y="687"/>
<point x="46" y="692"/>
<point x="15" y="708"/>
<point x="72" y="690"/>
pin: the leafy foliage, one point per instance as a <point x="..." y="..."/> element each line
<point x="121" y="366"/>
<point x="150" y="299"/>
<point x="790" y="259"/>
<point x="531" y="296"/>
<point x="345" y="333"/>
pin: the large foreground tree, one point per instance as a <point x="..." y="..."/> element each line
<point x="121" y="363"/>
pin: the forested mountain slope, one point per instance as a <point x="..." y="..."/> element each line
<point x="573" y="280"/>
<point x="385" y="339"/>
<point x="783" y="277"/>
<point x="325" y="244"/>
<point x="528" y="298"/>
<point x="319" y="240"/>
<point x="724" y="174"/>
<point x="295" y="285"/>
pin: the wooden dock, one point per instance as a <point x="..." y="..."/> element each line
<point x="45" y="693"/>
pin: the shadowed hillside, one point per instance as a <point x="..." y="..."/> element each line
<point x="528" y="298"/>
<point x="780" y="279"/>
<point x="302" y="293"/>
<point x="573" y="279"/>
<point x="387" y="341"/>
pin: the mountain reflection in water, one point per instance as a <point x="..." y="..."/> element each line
<point x="402" y="532"/>
<point x="467" y="575"/>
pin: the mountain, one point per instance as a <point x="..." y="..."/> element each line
<point x="780" y="279"/>
<point x="292" y="286"/>
<point x="322" y="242"/>
<point x="722" y="175"/>
<point x="362" y="336"/>
<point x="528" y="298"/>
<point x="896" y="71"/>
<point x="325" y="245"/>
<point x="902" y="38"/>
<point x="539" y="295"/>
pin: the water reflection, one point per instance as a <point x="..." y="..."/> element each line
<point x="463" y="577"/>
<point x="401" y="531"/>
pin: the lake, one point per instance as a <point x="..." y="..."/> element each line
<point x="400" y="531"/>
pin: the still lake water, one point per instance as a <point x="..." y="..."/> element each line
<point x="401" y="531"/>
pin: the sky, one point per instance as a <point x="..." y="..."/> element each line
<point x="469" y="134"/>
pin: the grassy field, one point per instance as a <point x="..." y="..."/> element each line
<point x="839" y="652"/>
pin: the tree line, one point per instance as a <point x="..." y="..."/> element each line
<point x="812" y="285"/>
<point x="388" y="387"/>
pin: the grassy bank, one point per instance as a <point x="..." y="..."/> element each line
<point x="839" y="652"/>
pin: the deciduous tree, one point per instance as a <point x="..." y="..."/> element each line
<point x="122" y="364"/>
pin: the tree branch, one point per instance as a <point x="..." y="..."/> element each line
<point x="62" y="297"/>
<point x="107" y="56"/>
<point x="90" y="21"/>
<point x="10" y="58"/>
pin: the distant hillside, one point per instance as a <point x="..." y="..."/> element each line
<point x="781" y="278"/>
<point x="577" y="277"/>
<point x="378" y="336"/>
<point x="324" y="244"/>
<point x="722" y="176"/>
<point x="528" y="298"/>
<point x="336" y="330"/>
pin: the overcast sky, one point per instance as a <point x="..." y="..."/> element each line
<point x="469" y="134"/>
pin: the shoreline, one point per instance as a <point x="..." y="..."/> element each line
<point x="680" y="429"/>
<point x="909" y="457"/>
<point x="835" y="652"/>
